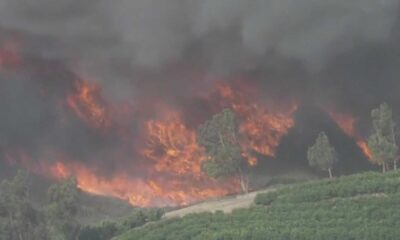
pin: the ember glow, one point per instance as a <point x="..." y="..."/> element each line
<point x="347" y="123"/>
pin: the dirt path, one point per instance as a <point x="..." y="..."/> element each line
<point x="226" y="205"/>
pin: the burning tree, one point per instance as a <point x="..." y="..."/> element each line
<point x="322" y="154"/>
<point x="382" y="142"/>
<point x="219" y="137"/>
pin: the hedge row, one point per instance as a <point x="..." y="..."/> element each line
<point x="371" y="217"/>
<point x="351" y="186"/>
<point x="108" y="229"/>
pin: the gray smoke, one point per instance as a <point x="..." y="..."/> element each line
<point x="330" y="52"/>
<point x="152" y="33"/>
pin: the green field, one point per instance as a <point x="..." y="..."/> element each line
<point x="359" y="207"/>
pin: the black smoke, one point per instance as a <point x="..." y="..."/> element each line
<point x="325" y="54"/>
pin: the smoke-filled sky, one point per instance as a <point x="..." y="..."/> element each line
<point x="337" y="54"/>
<point x="338" y="44"/>
<point x="225" y="35"/>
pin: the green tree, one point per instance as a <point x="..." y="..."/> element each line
<point x="104" y="231"/>
<point x="19" y="220"/>
<point x="322" y="154"/>
<point x="219" y="137"/>
<point x="62" y="210"/>
<point x="382" y="141"/>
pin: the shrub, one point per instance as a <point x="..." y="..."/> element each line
<point x="266" y="198"/>
<point x="326" y="210"/>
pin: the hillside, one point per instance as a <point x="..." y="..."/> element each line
<point x="229" y="203"/>
<point x="92" y="207"/>
<point x="364" y="206"/>
<point x="226" y="205"/>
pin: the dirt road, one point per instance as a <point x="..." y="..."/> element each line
<point x="226" y="205"/>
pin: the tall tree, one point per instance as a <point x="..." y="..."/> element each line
<point x="19" y="220"/>
<point x="322" y="154"/>
<point x="382" y="141"/>
<point x="219" y="137"/>
<point x="63" y="209"/>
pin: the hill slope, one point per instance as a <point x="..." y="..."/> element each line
<point x="364" y="206"/>
<point x="226" y="205"/>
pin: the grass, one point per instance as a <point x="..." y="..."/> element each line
<point x="359" y="207"/>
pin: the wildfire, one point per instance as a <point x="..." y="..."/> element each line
<point x="170" y="175"/>
<point x="347" y="123"/>
<point x="262" y="128"/>
<point x="364" y="147"/>
<point x="86" y="103"/>
<point x="172" y="147"/>
<point x="139" y="192"/>
<point x="157" y="163"/>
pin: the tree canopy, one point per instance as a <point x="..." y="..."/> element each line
<point x="219" y="137"/>
<point x="322" y="154"/>
<point x="63" y="209"/>
<point x="382" y="141"/>
<point x="19" y="220"/>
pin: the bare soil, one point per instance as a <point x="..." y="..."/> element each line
<point x="225" y="205"/>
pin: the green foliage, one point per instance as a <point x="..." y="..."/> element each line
<point x="340" y="213"/>
<point x="63" y="209"/>
<point x="104" y="231"/>
<point x="322" y="154"/>
<point x="153" y="214"/>
<point x="140" y="216"/>
<point x="345" y="187"/>
<point x="266" y="199"/>
<point x="19" y="220"/>
<point x="382" y="141"/>
<point x="219" y="137"/>
<point x="93" y="208"/>
<point x="108" y="229"/>
<point x="290" y="178"/>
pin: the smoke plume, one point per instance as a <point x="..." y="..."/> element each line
<point x="84" y="83"/>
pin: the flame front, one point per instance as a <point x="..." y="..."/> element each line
<point x="262" y="129"/>
<point x="149" y="159"/>
<point x="86" y="104"/>
<point x="347" y="123"/>
<point x="170" y="157"/>
<point x="172" y="147"/>
<point x="173" y="175"/>
<point x="133" y="149"/>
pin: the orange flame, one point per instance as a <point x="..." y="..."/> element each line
<point x="86" y="105"/>
<point x="172" y="147"/>
<point x="262" y="128"/>
<point x="347" y="123"/>
<point x="171" y="163"/>
<point x="364" y="147"/>
<point x="167" y="154"/>
<point x="139" y="192"/>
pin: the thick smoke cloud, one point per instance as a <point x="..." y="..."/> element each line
<point x="333" y="52"/>
<point x="156" y="32"/>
